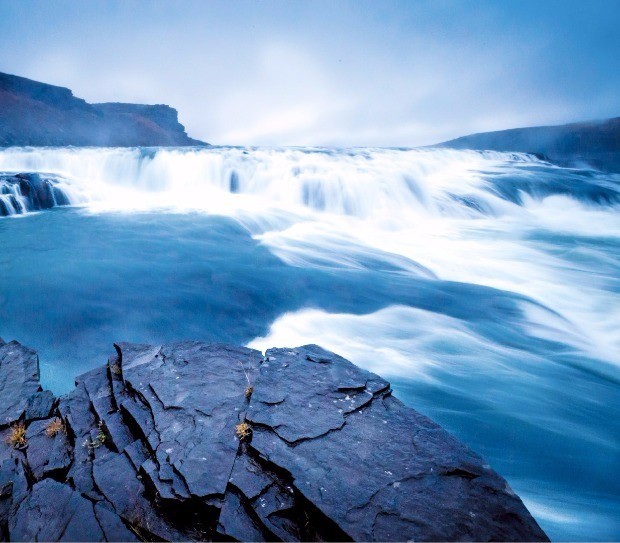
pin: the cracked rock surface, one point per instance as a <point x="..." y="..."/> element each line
<point x="197" y="441"/>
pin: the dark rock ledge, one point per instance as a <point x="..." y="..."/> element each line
<point x="150" y="451"/>
<point x="24" y="192"/>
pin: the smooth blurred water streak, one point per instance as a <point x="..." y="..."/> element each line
<point x="485" y="286"/>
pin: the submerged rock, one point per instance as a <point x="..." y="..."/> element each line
<point x="196" y="441"/>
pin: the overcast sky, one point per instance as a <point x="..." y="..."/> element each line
<point x="294" y="72"/>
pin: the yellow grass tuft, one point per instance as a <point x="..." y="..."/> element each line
<point x="243" y="431"/>
<point x="54" y="426"/>
<point x="17" y="436"/>
<point x="249" y="389"/>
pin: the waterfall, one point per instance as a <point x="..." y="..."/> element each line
<point x="363" y="183"/>
<point x="24" y="192"/>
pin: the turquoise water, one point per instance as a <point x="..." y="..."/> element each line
<point x="486" y="287"/>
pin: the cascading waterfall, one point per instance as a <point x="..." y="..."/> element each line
<point x="11" y="199"/>
<point x="364" y="183"/>
<point x="359" y="183"/>
<point x="25" y="192"/>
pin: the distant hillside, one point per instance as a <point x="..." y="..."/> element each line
<point x="596" y="143"/>
<point x="38" y="114"/>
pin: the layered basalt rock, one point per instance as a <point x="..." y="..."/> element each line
<point x="196" y="441"/>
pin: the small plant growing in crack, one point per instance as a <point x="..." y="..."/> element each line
<point x="250" y="388"/>
<point x="55" y="426"/>
<point x="100" y="438"/>
<point x="17" y="436"/>
<point x="243" y="431"/>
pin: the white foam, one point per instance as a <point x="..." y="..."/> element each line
<point x="398" y="341"/>
<point x="424" y="211"/>
<point x="362" y="183"/>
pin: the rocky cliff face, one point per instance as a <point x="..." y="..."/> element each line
<point x="595" y="143"/>
<point x="195" y="441"/>
<point x="38" y="114"/>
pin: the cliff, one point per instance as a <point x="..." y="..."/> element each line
<point x="593" y="143"/>
<point x="195" y="441"/>
<point x="38" y="114"/>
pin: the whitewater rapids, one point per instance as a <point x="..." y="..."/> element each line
<point x="464" y="216"/>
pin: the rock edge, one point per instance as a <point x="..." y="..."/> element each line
<point x="197" y="441"/>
